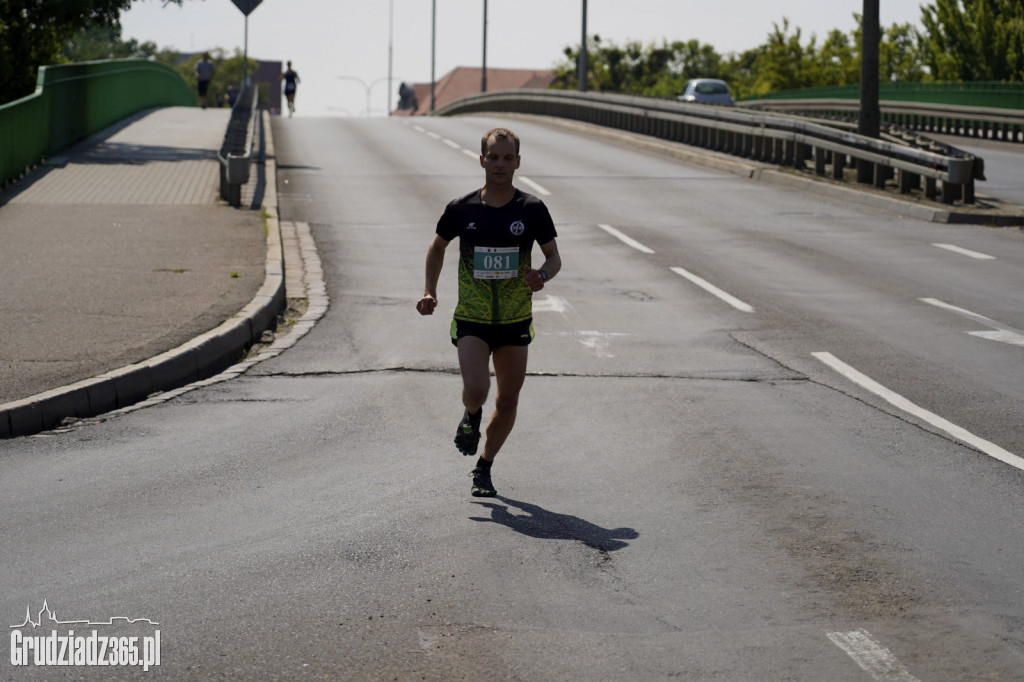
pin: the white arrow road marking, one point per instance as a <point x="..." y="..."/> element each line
<point x="961" y="434"/>
<point x="965" y="252"/>
<point x="594" y="341"/>
<point x="1003" y="332"/>
<point x="872" y="657"/>
<point x="550" y="304"/>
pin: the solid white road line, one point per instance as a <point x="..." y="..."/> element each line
<point x="533" y="185"/>
<point x="872" y="657"/>
<point x="961" y="434"/>
<point x="712" y="289"/>
<point x="1003" y="333"/>
<point x="965" y="252"/>
<point x="625" y="239"/>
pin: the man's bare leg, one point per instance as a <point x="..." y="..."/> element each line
<point x="474" y="363"/>
<point x="510" y="373"/>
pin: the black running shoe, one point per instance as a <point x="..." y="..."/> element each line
<point x="467" y="436"/>
<point x="482" y="486"/>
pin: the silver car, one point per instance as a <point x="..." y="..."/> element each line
<point x="707" y="91"/>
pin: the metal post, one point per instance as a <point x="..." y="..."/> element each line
<point x="391" y="22"/>
<point x="483" y="71"/>
<point x="245" y="55"/>
<point x="581" y="67"/>
<point x="870" y="118"/>
<point x="433" y="50"/>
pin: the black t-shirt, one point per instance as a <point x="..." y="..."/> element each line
<point x="495" y="245"/>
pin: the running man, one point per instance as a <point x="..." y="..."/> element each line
<point x="291" y="84"/>
<point x="497" y="227"/>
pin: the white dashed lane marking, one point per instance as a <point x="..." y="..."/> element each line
<point x="712" y="289"/>
<point x="533" y="185"/>
<point x="625" y="239"/>
<point x="895" y="399"/>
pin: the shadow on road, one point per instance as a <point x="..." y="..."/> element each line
<point x="548" y="525"/>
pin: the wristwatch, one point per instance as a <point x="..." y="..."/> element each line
<point x="544" y="275"/>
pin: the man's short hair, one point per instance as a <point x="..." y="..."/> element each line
<point x="498" y="134"/>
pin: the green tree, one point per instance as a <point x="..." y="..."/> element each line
<point x="784" y="63"/>
<point x="32" y="33"/>
<point x="35" y="33"/>
<point x="837" y="61"/>
<point x="228" y="72"/>
<point x="967" y="40"/>
<point x="658" y="70"/>
<point x="92" y="43"/>
<point x="899" y="55"/>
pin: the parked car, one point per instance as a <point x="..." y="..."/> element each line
<point x="707" y="91"/>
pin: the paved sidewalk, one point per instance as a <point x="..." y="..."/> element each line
<point x="120" y="251"/>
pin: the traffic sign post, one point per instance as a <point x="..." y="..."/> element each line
<point x="246" y="6"/>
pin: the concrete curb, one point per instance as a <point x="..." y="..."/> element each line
<point x="769" y="173"/>
<point x="202" y="357"/>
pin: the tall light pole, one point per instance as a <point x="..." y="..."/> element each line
<point x="391" y="34"/>
<point x="483" y="71"/>
<point x="433" y="49"/>
<point x="581" y="67"/>
<point x="869" y="122"/>
<point x="368" y="87"/>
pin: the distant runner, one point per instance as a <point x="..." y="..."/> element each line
<point x="497" y="227"/>
<point x="291" y="84"/>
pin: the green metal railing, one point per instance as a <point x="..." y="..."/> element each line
<point x="73" y="101"/>
<point x="985" y="94"/>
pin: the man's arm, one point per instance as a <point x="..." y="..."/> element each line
<point x="552" y="264"/>
<point x="435" y="261"/>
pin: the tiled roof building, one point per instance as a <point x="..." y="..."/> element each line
<point x="464" y="80"/>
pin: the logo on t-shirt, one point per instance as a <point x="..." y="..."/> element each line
<point x="517" y="227"/>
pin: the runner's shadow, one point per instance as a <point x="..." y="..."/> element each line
<point x="547" y="525"/>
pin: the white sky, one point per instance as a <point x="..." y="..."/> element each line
<point x="326" y="39"/>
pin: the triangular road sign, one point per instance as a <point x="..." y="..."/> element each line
<point x="247" y="6"/>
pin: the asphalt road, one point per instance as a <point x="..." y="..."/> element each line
<point x="696" y="487"/>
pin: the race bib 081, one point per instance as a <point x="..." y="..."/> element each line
<point x="496" y="262"/>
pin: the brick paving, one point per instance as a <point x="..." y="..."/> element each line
<point x="120" y="250"/>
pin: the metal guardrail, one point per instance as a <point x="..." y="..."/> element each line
<point x="236" y="152"/>
<point x="1004" y="125"/>
<point x="762" y="136"/>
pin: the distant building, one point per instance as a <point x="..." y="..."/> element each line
<point x="269" y="73"/>
<point x="465" y="80"/>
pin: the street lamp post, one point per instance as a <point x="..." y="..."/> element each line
<point x="581" y="67"/>
<point x="868" y="122"/>
<point x="368" y="87"/>
<point x="483" y="71"/>
<point x="391" y="33"/>
<point x="433" y="50"/>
